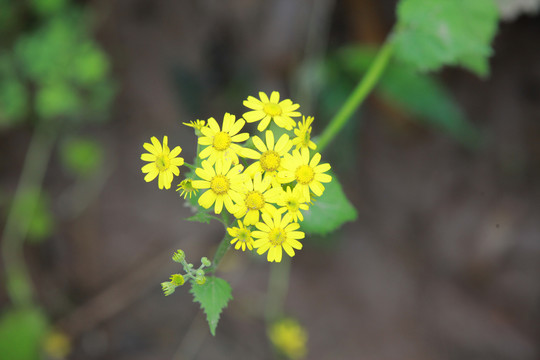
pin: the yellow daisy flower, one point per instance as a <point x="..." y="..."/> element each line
<point x="163" y="162"/>
<point x="267" y="109"/>
<point x="307" y="173"/>
<point x="290" y="338"/>
<point x="220" y="143"/>
<point x="185" y="188"/>
<point x="270" y="155"/>
<point x="293" y="201"/>
<point x="197" y="125"/>
<point x="303" y="134"/>
<point x="257" y="198"/>
<point x="275" y="234"/>
<point x="224" y="184"/>
<point x="241" y="235"/>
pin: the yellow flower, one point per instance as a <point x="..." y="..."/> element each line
<point x="308" y="174"/>
<point x="303" y="134"/>
<point x="197" y="125"/>
<point x="275" y="234"/>
<point x="220" y="143"/>
<point x="257" y="198"/>
<point x="293" y="201"/>
<point x="163" y="162"/>
<point x="271" y="109"/>
<point x="186" y="188"/>
<point x="289" y="337"/>
<point x="241" y="236"/>
<point x="224" y="184"/>
<point x="270" y="156"/>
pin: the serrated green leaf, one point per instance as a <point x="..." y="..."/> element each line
<point x="434" y="33"/>
<point x="213" y="296"/>
<point x="329" y="211"/>
<point x="201" y="217"/>
<point x="21" y="333"/>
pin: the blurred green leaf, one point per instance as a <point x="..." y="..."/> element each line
<point x="34" y="207"/>
<point x="434" y="33"/>
<point x="81" y="157"/>
<point x="21" y="333"/>
<point x="213" y="295"/>
<point x="47" y="7"/>
<point x="89" y="65"/>
<point x="57" y="100"/>
<point x="330" y="211"/>
<point x="416" y="94"/>
<point x="202" y="217"/>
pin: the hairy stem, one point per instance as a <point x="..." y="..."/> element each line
<point x="224" y="245"/>
<point x="357" y="97"/>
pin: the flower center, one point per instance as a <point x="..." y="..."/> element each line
<point x="219" y="184"/>
<point x="272" y="109"/>
<point x="221" y="141"/>
<point x="277" y="236"/>
<point x="304" y="174"/>
<point x="162" y="162"/>
<point x="254" y="200"/>
<point x="292" y="205"/>
<point x="270" y="161"/>
<point x="244" y="235"/>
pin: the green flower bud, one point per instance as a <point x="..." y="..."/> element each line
<point x="205" y="261"/>
<point x="200" y="280"/>
<point x="177" y="279"/>
<point x="179" y="256"/>
<point x="199" y="273"/>
<point x="168" y="288"/>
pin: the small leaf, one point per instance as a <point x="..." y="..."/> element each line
<point x="434" y="33"/>
<point x="202" y="217"/>
<point x="81" y="156"/>
<point x="213" y="297"/>
<point x="21" y="333"/>
<point x="329" y="211"/>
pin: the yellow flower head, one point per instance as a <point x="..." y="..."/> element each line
<point x="241" y="235"/>
<point x="224" y="184"/>
<point x="257" y="198"/>
<point x="289" y="337"/>
<point x="270" y="155"/>
<point x="267" y="109"/>
<point x="220" y="143"/>
<point x="307" y="173"/>
<point x="277" y="233"/>
<point x="303" y="134"/>
<point x="197" y="125"/>
<point x="186" y="188"/>
<point x="163" y="162"/>
<point x="293" y="201"/>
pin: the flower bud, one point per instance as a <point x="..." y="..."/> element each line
<point x="205" y="261"/>
<point x="177" y="279"/>
<point x="168" y="288"/>
<point x="200" y="280"/>
<point x="179" y="256"/>
<point x="199" y="273"/>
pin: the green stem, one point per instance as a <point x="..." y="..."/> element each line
<point x="278" y="285"/>
<point x="224" y="245"/>
<point x="18" y="282"/>
<point x="358" y="95"/>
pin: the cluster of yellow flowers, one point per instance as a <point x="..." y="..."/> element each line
<point x="266" y="196"/>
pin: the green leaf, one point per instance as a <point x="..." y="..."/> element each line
<point x="202" y="217"/>
<point x="33" y="209"/>
<point x="80" y="156"/>
<point x="21" y="333"/>
<point x="213" y="296"/>
<point x="329" y="211"/>
<point x="434" y="33"/>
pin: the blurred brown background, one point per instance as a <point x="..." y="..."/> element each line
<point x="442" y="263"/>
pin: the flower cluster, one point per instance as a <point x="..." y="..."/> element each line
<point x="265" y="181"/>
<point x="196" y="275"/>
